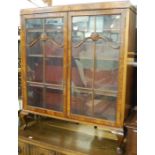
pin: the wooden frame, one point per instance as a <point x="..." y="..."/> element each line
<point x="127" y="12"/>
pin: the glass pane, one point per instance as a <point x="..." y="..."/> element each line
<point x="34" y="69"/>
<point x="34" y="23"/>
<point x="81" y="102"/>
<point x="82" y="52"/>
<point x="106" y="75"/>
<point x="107" y="22"/>
<point x="109" y="27"/>
<point x="35" y="96"/>
<point x="82" y="65"/>
<point x="54" y="29"/>
<point x="34" y="29"/>
<point x="52" y="50"/>
<point x="82" y="28"/>
<point x="54" y="99"/>
<point x="54" y="70"/>
<point x="36" y="48"/>
<point x="54" y="24"/>
<point x="107" y="50"/>
<point x="105" y="107"/>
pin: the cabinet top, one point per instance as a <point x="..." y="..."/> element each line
<point x="80" y="7"/>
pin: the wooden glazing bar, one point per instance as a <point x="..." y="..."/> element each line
<point x="43" y="44"/>
<point x="94" y="67"/>
<point x="65" y="61"/>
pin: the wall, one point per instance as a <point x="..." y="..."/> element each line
<point x="60" y="2"/>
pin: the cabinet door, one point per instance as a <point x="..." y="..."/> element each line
<point x="45" y="58"/>
<point x="23" y="149"/>
<point x="95" y="58"/>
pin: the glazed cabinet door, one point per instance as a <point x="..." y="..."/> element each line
<point x="44" y="57"/>
<point x="95" y="63"/>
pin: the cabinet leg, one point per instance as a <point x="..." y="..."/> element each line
<point x="121" y="142"/>
<point x="25" y="120"/>
<point x="120" y="148"/>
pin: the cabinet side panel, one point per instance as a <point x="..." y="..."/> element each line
<point x="23" y="62"/>
<point x="132" y="32"/>
<point x="131" y="70"/>
<point x="129" y="89"/>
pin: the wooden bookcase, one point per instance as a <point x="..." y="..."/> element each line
<point x="74" y="62"/>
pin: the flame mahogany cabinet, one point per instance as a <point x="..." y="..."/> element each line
<point x="75" y="62"/>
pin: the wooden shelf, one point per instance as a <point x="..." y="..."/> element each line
<point x="52" y="56"/>
<point x="117" y="30"/>
<point x="97" y="91"/>
<point x="49" y="56"/>
<point x="47" y="85"/>
<point x="46" y="30"/>
<point x="35" y="55"/>
<point x="111" y="30"/>
<point x="97" y="59"/>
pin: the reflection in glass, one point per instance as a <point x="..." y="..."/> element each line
<point x="55" y="24"/>
<point x="79" y="100"/>
<point x="83" y="26"/>
<point x="57" y="37"/>
<point x="54" y="70"/>
<point x="54" y="29"/>
<point x="34" y="23"/>
<point x="34" y="29"/>
<point x="107" y="50"/>
<point x="107" y="22"/>
<point x="37" y="48"/>
<point x="105" y="107"/>
<point x="82" y="65"/>
<point x="34" y="69"/>
<point x="54" y="99"/>
<point x="35" y="96"/>
<point x="52" y="50"/>
<point x="106" y="75"/>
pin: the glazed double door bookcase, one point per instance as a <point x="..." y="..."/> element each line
<point x="74" y="64"/>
